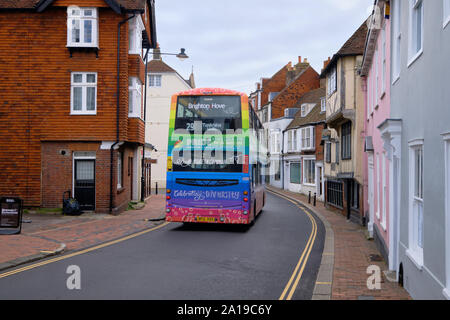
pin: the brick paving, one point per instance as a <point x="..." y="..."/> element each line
<point x="352" y="253"/>
<point x="46" y="232"/>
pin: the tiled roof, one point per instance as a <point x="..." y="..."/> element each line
<point x="354" y="46"/>
<point x="157" y="65"/>
<point x="31" y="4"/>
<point x="315" y="115"/>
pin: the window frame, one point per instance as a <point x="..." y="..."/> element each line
<point x="413" y="53"/>
<point x="416" y="205"/>
<point x="135" y="106"/>
<point x="323" y="105"/>
<point x="446" y="137"/>
<point x="312" y="173"/>
<point x="119" y="170"/>
<point x="346" y="141"/>
<point x="135" y="28"/>
<point x="84" y="85"/>
<point x="332" y="81"/>
<point x="94" y="18"/>
<point x="155" y="83"/>
<point x="397" y="41"/>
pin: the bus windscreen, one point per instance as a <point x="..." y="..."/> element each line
<point x="214" y="112"/>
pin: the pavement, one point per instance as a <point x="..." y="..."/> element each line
<point x="346" y="257"/>
<point x="48" y="234"/>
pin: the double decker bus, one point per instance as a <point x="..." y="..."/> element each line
<point x="216" y="158"/>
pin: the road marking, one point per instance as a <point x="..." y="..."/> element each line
<point x="106" y="244"/>
<point x="324" y="283"/>
<point x="300" y="267"/>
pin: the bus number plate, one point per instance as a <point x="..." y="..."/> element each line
<point x="206" y="219"/>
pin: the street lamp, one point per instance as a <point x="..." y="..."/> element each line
<point x="181" y="55"/>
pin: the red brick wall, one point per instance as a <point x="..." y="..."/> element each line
<point x="274" y="84"/>
<point x="35" y="79"/>
<point x="319" y="148"/>
<point x="309" y="80"/>
<point x="57" y="175"/>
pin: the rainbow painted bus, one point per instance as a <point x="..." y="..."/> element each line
<point x="216" y="158"/>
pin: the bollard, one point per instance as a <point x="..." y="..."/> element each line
<point x="314" y="199"/>
<point x="156" y="188"/>
<point x="309" y="197"/>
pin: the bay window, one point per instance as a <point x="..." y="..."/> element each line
<point x="135" y="28"/>
<point x="307" y="138"/>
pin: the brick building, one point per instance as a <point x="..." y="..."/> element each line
<point x="68" y="120"/>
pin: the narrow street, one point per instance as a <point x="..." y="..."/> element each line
<point x="189" y="262"/>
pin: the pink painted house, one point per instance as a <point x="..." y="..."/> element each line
<point x="375" y="70"/>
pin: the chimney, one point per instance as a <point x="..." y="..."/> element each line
<point x="299" y="59"/>
<point x="157" y="53"/>
<point x="326" y="63"/>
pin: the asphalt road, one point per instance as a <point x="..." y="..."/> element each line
<point x="188" y="262"/>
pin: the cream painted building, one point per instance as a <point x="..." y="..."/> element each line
<point x="162" y="83"/>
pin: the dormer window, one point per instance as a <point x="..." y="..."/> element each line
<point x="305" y="109"/>
<point x="323" y="105"/>
<point x="272" y="95"/>
<point x="82" y="27"/>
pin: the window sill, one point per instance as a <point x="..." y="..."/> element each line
<point x="415" y="58"/>
<point x="309" y="184"/>
<point x="83" y="113"/>
<point x="120" y="190"/>
<point x="383" y="225"/>
<point x="416" y="258"/>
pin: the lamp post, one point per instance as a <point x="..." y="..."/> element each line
<point x="182" y="56"/>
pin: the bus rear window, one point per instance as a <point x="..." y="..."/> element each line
<point x="209" y="112"/>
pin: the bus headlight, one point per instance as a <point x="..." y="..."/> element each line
<point x="245" y="212"/>
<point x="168" y="210"/>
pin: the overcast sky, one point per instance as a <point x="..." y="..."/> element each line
<point x="234" y="43"/>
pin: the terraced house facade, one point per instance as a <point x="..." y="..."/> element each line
<point x="71" y="111"/>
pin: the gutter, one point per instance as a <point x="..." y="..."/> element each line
<point x="117" y="114"/>
<point x="145" y="117"/>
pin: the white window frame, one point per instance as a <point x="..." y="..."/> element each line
<point x="119" y="170"/>
<point x="73" y="15"/>
<point x="446" y="11"/>
<point x="446" y="137"/>
<point x="384" y="191"/>
<point x="396" y="41"/>
<point x="415" y="239"/>
<point x="312" y="164"/>
<point x="383" y="62"/>
<point x="323" y="104"/>
<point x="378" y="184"/>
<point x="415" y="7"/>
<point x="307" y="138"/>
<point x="135" y="92"/>
<point x="153" y="82"/>
<point x="332" y="81"/>
<point x="377" y="77"/>
<point x="135" y="28"/>
<point x="83" y="85"/>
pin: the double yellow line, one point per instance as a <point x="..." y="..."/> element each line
<point x="106" y="244"/>
<point x="291" y="286"/>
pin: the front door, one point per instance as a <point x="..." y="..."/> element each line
<point x="85" y="184"/>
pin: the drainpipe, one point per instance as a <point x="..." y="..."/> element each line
<point x="145" y="115"/>
<point x="117" y="114"/>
